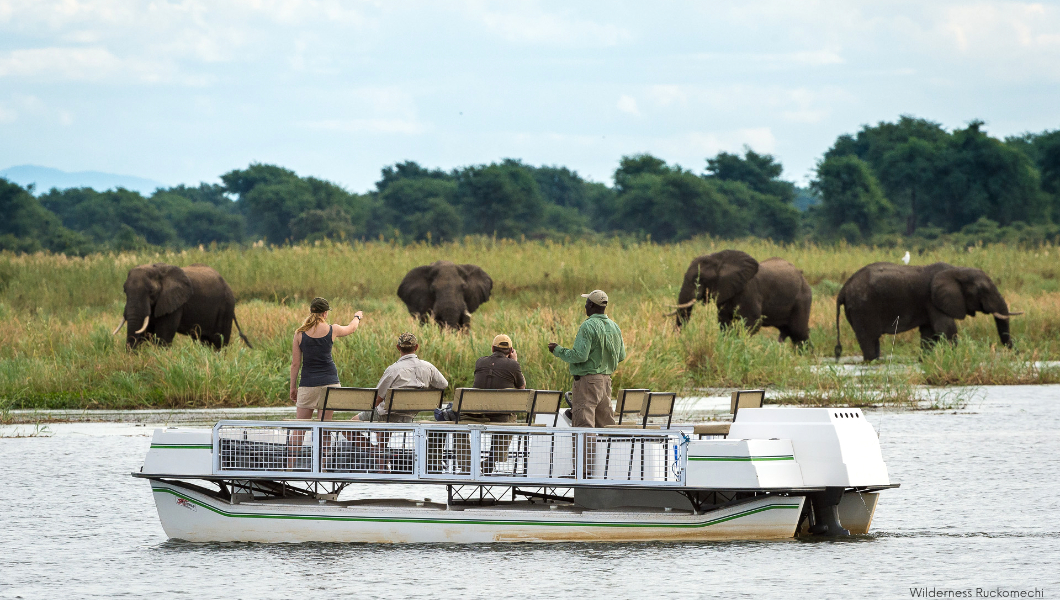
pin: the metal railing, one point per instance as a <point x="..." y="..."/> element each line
<point x="486" y="454"/>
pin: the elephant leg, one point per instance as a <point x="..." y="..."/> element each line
<point x="167" y="327"/>
<point x="870" y="345"/>
<point x="928" y="337"/>
<point x="784" y="334"/>
<point x="726" y="316"/>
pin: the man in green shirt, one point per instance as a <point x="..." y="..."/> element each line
<point x="597" y="350"/>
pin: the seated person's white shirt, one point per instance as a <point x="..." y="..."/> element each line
<point x="409" y="371"/>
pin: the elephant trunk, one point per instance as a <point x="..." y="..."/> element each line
<point x="686" y="300"/>
<point x="1002" y="323"/>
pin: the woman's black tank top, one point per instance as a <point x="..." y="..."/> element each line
<point x="317" y="367"/>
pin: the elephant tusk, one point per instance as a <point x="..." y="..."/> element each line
<point x="686" y="304"/>
<point x="118" y="328"/>
<point x="1005" y="317"/>
<point x="144" y="328"/>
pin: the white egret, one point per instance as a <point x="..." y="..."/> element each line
<point x="905" y="258"/>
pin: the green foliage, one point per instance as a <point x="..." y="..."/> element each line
<point x="908" y="182"/>
<point x="500" y="199"/>
<point x="850" y="195"/>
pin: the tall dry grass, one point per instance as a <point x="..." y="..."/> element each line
<point x="56" y="314"/>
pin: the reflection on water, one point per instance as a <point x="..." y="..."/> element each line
<point x="978" y="507"/>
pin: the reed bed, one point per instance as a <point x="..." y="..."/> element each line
<point x="56" y="314"/>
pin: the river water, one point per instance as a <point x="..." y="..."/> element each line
<point x="978" y="508"/>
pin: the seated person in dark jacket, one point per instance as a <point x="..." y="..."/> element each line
<point x="498" y="371"/>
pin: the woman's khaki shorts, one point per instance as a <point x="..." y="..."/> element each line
<point x="310" y="397"/>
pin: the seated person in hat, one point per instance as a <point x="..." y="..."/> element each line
<point x="409" y="371"/>
<point x="498" y="371"/>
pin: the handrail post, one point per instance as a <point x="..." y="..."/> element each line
<point x="475" y="441"/>
<point x="579" y="456"/>
<point x="318" y="448"/>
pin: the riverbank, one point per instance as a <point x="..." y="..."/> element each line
<point x="56" y="313"/>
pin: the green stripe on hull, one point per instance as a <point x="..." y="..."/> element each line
<point x="738" y="458"/>
<point x="477" y="521"/>
<point x="183" y="446"/>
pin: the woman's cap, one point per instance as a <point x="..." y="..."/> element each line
<point x="407" y="340"/>
<point x="502" y="341"/>
<point x="597" y="297"/>
<point x="319" y="305"/>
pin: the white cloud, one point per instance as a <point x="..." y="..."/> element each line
<point x="528" y="24"/>
<point x="628" y="105"/>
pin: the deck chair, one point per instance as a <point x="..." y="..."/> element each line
<point x="739" y="399"/>
<point x="630" y="402"/>
<point x="658" y="404"/>
<point x="411" y="400"/>
<point x="491" y="402"/>
<point x="545" y="402"/>
<point x="348" y="399"/>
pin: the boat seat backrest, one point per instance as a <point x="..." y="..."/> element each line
<point x="545" y="402"/>
<point x="659" y="404"/>
<point x="746" y="399"/>
<point x="347" y="399"/>
<point x="412" y="399"/>
<point x="510" y="401"/>
<point x="630" y="402"/>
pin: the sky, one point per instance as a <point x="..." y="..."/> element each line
<point x="183" y="91"/>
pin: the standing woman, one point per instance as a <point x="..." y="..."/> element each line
<point x="311" y="352"/>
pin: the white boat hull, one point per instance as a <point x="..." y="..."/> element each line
<point x="195" y="517"/>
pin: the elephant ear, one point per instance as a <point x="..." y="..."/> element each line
<point x="176" y="289"/>
<point x="735" y="270"/>
<point x="947" y="293"/>
<point x="477" y="286"/>
<point x="415" y="290"/>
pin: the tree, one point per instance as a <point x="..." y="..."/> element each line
<point x="100" y="215"/>
<point x="979" y="176"/>
<point x="761" y="173"/>
<point x="909" y="171"/>
<point x="421" y="208"/>
<point x="501" y="199"/>
<point x="27" y="226"/>
<point x="629" y="167"/>
<point x="850" y="194"/>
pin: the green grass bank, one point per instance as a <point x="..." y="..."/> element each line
<point x="56" y="314"/>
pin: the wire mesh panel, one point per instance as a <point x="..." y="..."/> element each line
<point x="265" y="448"/>
<point x="528" y="454"/>
<point x="632" y="457"/>
<point x="449" y="451"/>
<point x="375" y="451"/>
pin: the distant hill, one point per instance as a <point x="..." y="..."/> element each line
<point x="46" y="178"/>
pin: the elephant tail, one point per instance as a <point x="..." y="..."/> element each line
<point x="840" y="300"/>
<point x="240" y="330"/>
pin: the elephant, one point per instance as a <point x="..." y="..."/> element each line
<point x="446" y="291"/>
<point x="163" y="300"/>
<point x="889" y="298"/>
<point x="772" y="293"/>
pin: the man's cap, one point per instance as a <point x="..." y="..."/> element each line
<point x="597" y="297"/>
<point x="502" y="341"/>
<point x="319" y="305"/>
<point x="407" y="340"/>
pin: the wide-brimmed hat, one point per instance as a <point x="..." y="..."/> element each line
<point x="597" y="297"/>
<point x="319" y="305"/>
<point x="502" y="341"/>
